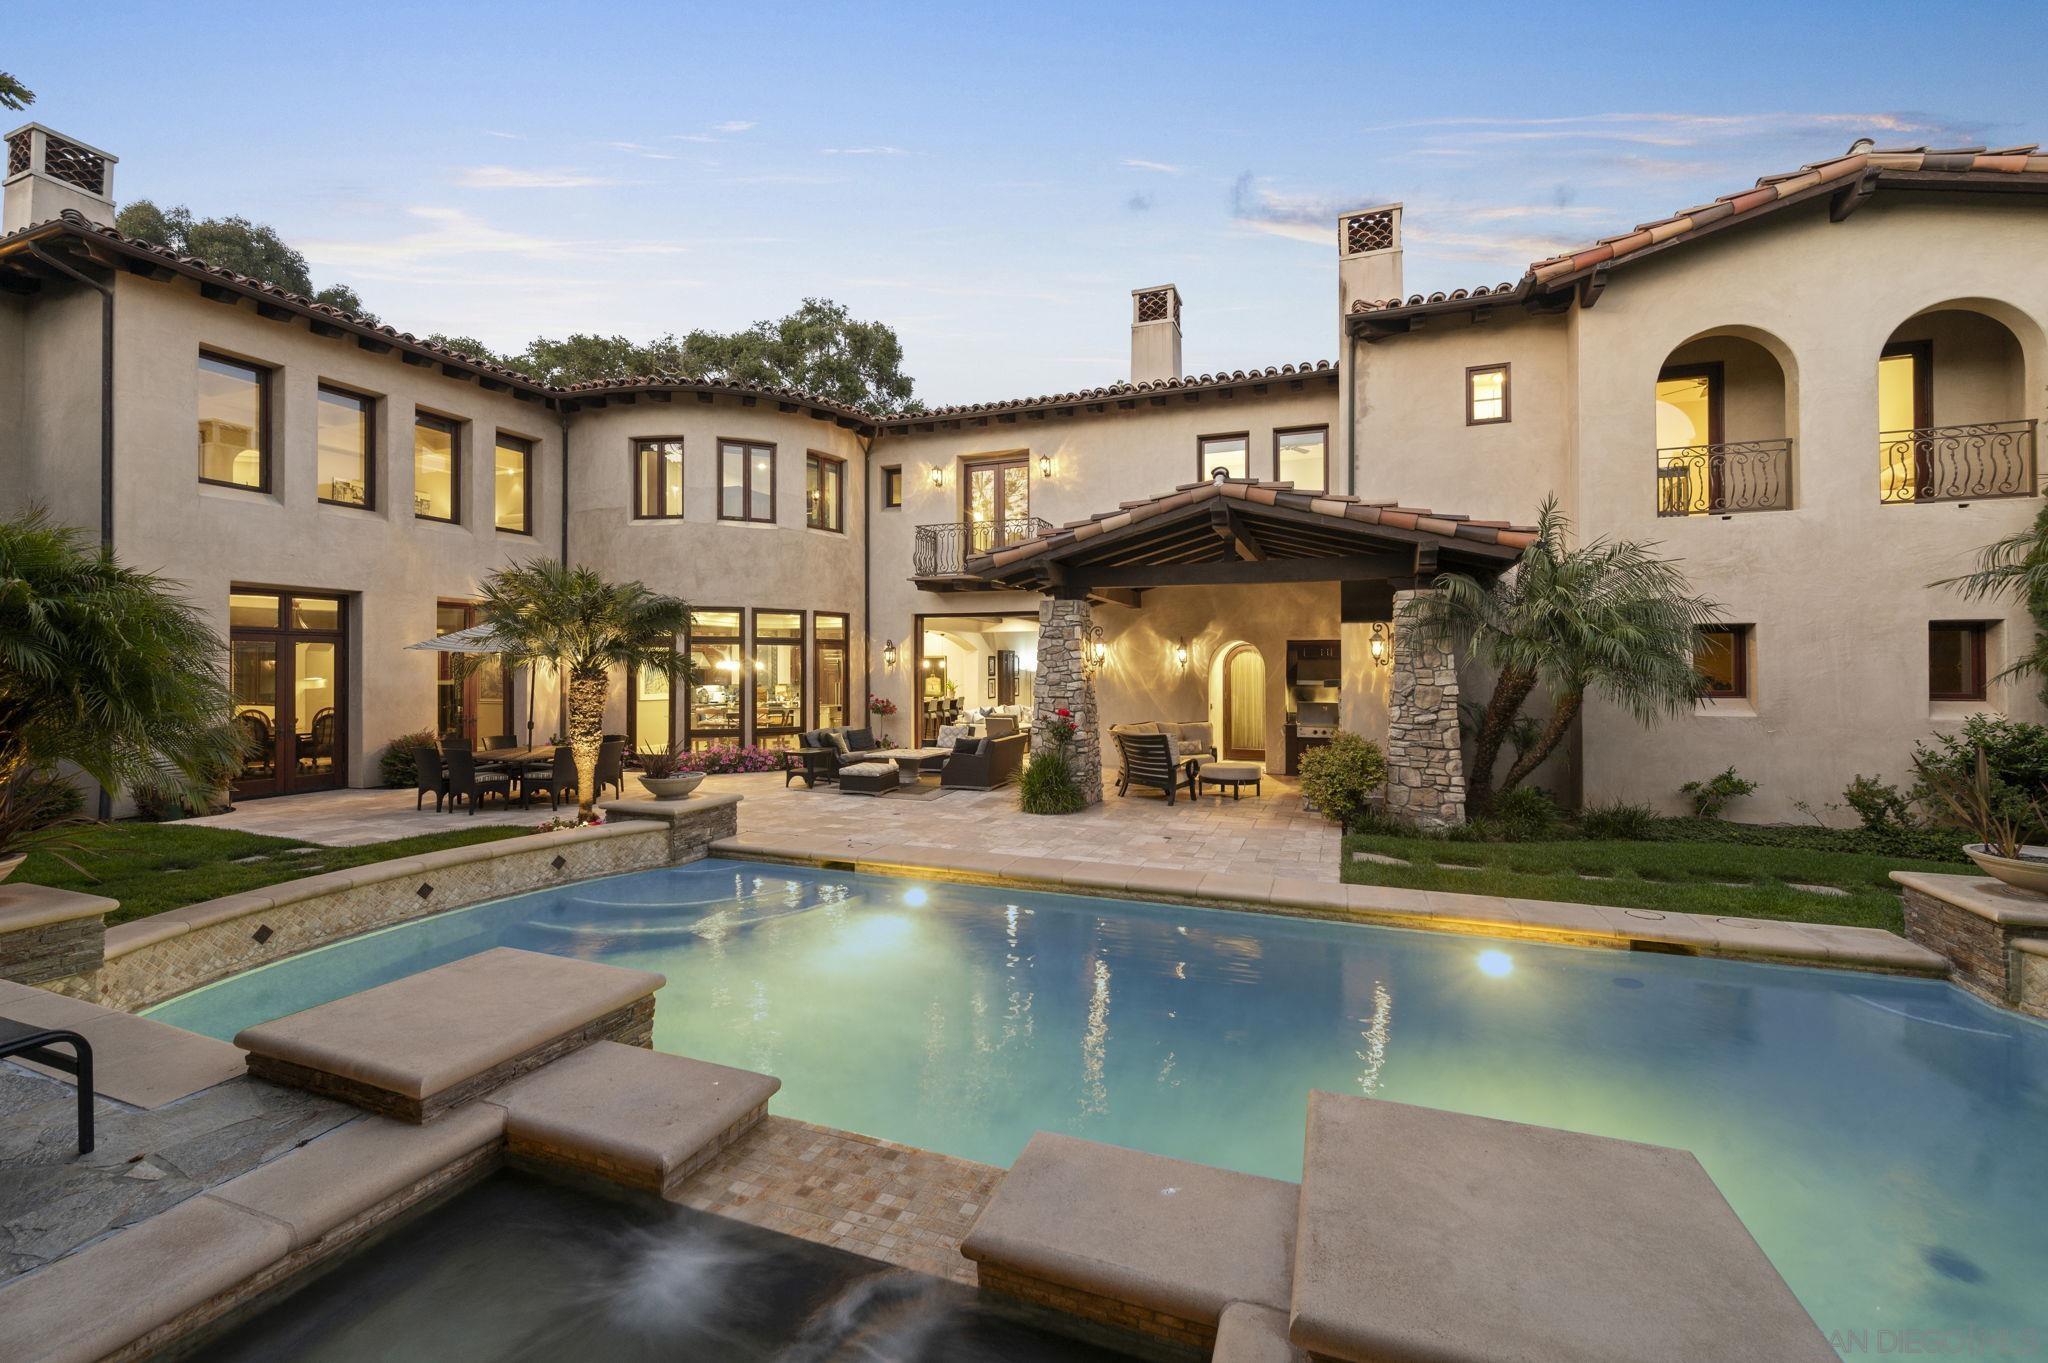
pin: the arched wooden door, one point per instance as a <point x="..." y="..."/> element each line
<point x="1244" y="705"/>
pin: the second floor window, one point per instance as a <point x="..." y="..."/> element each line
<point x="234" y="423"/>
<point x="892" y="487"/>
<point x="824" y="492"/>
<point x="1722" y="659"/>
<point x="658" y="479"/>
<point x="1955" y="659"/>
<point x="1487" y="396"/>
<point x="1301" y="458"/>
<point x="1230" y="453"/>
<point x="344" y="441"/>
<point x="436" y="468"/>
<point x="512" y="484"/>
<point x="746" y="481"/>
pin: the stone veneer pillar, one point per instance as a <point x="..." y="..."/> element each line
<point x="1065" y="681"/>
<point x="1425" y="753"/>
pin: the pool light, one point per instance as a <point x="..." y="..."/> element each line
<point x="915" y="896"/>
<point x="1496" y="963"/>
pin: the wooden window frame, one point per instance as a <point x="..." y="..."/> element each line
<point x="818" y="642"/>
<point x="528" y="446"/>
<point x="638" y="446"/>
<point x="284" y="778"/>
<point x="1280" y="431"/>
<point x="1741" y="635"/>
<point x="1202" y="464"/>
<point x="263" y="375"/>
<point x="750" y="698"/>
<point x="1507" y="394"/>
<point x="1980" y="633"/>
<point x="892" y="487"/>
<point x="747" y="447"/>
<point x="1923" y="378"/>
<point x="370" y="414"/>
<point x="819" y="457"/>
<point x="739" y="640"/>
<point x="457" y="456"/>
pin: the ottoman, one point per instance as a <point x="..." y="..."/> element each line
<point x="870" y="778"/>
<point x="1236" y="775"/>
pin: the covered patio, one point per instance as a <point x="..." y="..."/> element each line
<point x="1185" y="552"/>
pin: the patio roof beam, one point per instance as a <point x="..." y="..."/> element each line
<point x="1234" y="533"/>
<point x="1354" y="568"/>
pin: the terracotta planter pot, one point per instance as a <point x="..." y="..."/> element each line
<point x="2026" y="872"/>
<point x="673" y="787"/>
<point x="9" y="865"/>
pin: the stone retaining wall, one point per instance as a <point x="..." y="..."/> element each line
<point x="1994" y="938"/>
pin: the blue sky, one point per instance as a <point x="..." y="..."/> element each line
<point x="993" y="181"/>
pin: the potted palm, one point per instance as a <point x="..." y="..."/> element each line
<point x="582" y="628"/>
<point x="1998" y="816"/>
<point x="37" y="810"/>
<point x="663" y="773"/>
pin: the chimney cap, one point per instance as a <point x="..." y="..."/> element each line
<point x="1361" y="231"/>
<point x="68" y="140"/>
<point x="1155" y="303"/>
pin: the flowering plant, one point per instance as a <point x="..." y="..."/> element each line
<point x="1061" y="727"/>
<point x="569" y="821"/>
<point x="729" y="759"/>
<point x="881" y="705"/>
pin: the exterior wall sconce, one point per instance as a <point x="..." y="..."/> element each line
<point x="937" y="476"/>
<point x="888" y="654"/>
<point x="1382" y="655"/>
<point x="1180" y="655"/>
<point x="1045" y="466"/>
<point x="1094" y="651"/>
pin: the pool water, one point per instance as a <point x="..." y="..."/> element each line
<point x="1879" y="1136"/>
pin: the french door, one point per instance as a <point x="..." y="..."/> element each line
<point x="289" y="678"/>
<point x="996" y="503"/>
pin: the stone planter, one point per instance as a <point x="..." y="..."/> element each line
<point x="673" y="787"/>
<point x="2028" y="871"/>
<point x="9" y="865"/>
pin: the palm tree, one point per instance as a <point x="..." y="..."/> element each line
<point x="105" y="668"/>
<point x="2016" y="569"/>
<point x="1610" y="617"/>
<point x="580" y="627"/>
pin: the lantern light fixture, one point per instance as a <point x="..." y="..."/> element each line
<point x="889" y="653"/>
<point x="1045" y="466"/>
<point x="1180" y="655"/>
<point x="1377" y="646"/>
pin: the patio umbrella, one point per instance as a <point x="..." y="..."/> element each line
<point x="479" y="639"/>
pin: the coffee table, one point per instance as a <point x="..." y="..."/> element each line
<point x="909" y="761"/>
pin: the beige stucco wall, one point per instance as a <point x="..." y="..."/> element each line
<point x="714" y="564"/>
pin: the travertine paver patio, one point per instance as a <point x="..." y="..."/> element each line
<point x="1271" y="834"/>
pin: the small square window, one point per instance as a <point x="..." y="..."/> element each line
<point x="1722" y="660"/>
<point x="1955" y="659"/>
<point x="1487" y="399"/>
<point x="892" y="487"/>
<point x="1230" y="455"/>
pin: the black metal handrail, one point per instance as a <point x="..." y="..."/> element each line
<point x="1957" y="463"/>
<point x="1725" y="478"/>
<point x="943" y="550"/>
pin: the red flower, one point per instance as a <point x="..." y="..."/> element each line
<point x="1064" y="714"/>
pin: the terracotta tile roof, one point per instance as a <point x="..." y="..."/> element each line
<point x="1338" y="507"/>
<point x="666" y="382"/>
<point x="1114" y="391"/>
<point x="1768" y="192"/>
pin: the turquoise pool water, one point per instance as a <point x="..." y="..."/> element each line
<point x="1881" y="1137"/>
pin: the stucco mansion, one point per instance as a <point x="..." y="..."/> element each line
<point x="1820" y="393"/>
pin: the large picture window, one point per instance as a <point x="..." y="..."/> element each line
<point x="234" y="423"/>
<point x="746" y="481"/>
<point x="658" y="479"/>
<point x="344" y="447"/>
<point x="778" y="678"/>
<point x="824" y="492"/>
<point x="512" y="484"/>
<point x="436" y="468"/>
<point x="830" y="669"/>
<point x="719" y="684"/>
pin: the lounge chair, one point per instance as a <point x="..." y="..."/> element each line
<point x="984" y="763"/>
<point x="31" y="1042"/>
<point x="1150" y="760"/>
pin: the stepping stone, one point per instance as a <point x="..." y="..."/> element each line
<point x="416" y="1047"/>
<point x="642" y="1118"/>
<point x="1379" y="859"/>
<point x="1428" y="1235"/>
<point x="1135" y="1241"/>
<point x="1819" y="889"/>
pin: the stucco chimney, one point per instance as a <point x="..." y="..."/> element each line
<point x="1155" y="334"/>
<point x="1368" y="256"/>
<point x="48" y="173"/>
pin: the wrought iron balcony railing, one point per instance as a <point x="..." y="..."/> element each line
<point x="1720" y="480"/>
<point x="1957" y="463"/>
<point x="943" y="550"/>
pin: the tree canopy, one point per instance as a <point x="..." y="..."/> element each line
<point x="234" y="243"/>
<point x="13" y="94"/>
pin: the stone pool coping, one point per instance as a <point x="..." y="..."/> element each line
<point x="1591" y="925"/>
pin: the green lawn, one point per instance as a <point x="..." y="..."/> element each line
<point x="151" y="867"/>
<point x="1685" y="877"/>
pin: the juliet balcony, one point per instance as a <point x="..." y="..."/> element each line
<point x="938" y="559"/>
<point x="1724" y="478"/>
<point x="1977" y="460"/>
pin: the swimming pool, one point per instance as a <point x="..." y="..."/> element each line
<point x="1879" y="1136"/>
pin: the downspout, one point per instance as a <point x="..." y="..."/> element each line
<point x="867" y="570"/>
<point x="1350" y="368"/>
<point x="106" y="293"/>
<point x="562" y="414"/>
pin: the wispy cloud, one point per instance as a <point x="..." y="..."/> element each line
<point x="509" y="137"/>
<point x="1139" y="203"/>
<point x="1139" y="163"/>
<point x="735" y="125"/>
<point x="1677" y="129"/>
<point x="863" y="151"/>
<point x="448" y="235"/>
<point x="1310" y="216"/>
<point x="512" y="177"/>
<point x="640" y="150"/>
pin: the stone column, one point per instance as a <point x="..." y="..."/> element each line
<point x="1425" y="753"/>
<point x="1065" y="681"/>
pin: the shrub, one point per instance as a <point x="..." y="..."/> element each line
<point x="729" y="760"/>
<point x="202" y="788"/>
<point x="1341" y="778"/>
<point x="2015" y="752"/>
<point x="663" y="762"/>
<point x="1048" y="785"/>
<point x="395" y="767"/>
<point x="1618" y="821"/>
<point x="1525" y="814"/>
<point x="1878" y="804"/>
<point x="1711" y="796"/>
